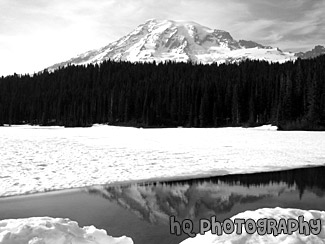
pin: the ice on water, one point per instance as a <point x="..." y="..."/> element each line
<point x="36" y="159"/>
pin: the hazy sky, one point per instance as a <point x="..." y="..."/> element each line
<point x="35" y="34"/>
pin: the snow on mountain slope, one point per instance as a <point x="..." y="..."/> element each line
<point x="180" y="41"/>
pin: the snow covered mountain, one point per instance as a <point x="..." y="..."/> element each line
<point x="180" y="41"/>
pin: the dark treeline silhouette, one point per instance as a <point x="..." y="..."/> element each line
<point x="290" y="95"/>
<point x="303" y="178"/>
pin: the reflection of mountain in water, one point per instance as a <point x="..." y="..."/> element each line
<point x="202" y="198"/>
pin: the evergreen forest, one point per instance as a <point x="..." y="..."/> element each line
<point x="290" y="95"/>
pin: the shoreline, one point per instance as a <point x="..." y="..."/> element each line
<point x="257" y="126"/>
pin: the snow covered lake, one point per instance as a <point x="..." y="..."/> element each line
<point x="36" y="159"/>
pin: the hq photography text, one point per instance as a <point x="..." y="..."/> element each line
<point x="265" y="226"/>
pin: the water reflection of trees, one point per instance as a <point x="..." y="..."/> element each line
<point x="302" y="178"/>
<point x="198" y="198"/>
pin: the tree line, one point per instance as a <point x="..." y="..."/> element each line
<point x="290" y="95"/>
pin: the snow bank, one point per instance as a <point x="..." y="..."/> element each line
<point x="277" y="214"/>
<point x="265" y="127"/>
<point x="46" y="230"/>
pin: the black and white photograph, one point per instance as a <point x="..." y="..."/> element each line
<point x="162" y="122"/>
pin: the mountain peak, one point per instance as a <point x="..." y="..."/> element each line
<point x="180" y="41"/>
<point x="174" y="22"/>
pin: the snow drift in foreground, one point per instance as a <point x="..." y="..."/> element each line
<point x="275" y="213"/>
<point x="46" y="230"/>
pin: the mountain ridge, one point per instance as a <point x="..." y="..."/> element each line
<point x="315" y="52"/>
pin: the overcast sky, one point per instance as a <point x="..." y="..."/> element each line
<point x="35" y="34"/>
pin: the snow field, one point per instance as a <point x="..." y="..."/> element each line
<point x="37" y="159"/>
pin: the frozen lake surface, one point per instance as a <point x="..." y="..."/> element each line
<point x="36" y="159"/>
